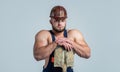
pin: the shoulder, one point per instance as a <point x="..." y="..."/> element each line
<point x="42" y="34"/>
<point x="76" y="33"/>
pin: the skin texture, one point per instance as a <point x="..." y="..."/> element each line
<point x="44" y="46"/>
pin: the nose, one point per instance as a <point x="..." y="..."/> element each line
<point x="59" y="24"/>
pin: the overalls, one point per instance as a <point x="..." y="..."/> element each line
<point x="50" y="67"/>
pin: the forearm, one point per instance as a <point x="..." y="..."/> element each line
<point x="44" y="52"/>
<point x="82" y="51"/>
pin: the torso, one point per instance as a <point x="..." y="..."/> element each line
<point x="49" y="39"/>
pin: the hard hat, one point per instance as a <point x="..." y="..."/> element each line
<point x="58" y="12"/>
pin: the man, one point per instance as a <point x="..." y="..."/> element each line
<point x="70" y="41"/>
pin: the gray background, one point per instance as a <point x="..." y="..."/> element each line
<point x="98" y="20"/>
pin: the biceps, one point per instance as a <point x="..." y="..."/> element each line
<point x="39" y="44"/>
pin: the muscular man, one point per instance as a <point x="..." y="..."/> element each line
<point x="46" y="41"/>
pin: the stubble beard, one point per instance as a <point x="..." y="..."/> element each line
<point x="59" y="30"/>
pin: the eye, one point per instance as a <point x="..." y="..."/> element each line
<point x="63" y="19"/>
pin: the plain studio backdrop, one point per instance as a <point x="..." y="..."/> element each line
<point x="98" y="20"/>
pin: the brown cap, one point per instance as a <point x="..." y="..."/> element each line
<point x="58" y="12"/>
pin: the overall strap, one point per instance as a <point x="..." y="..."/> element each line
<point x="65" y="33"/>
<point x="53" y="39"/>
<point x="52" y="34"/>
<point x="50" y="65"/>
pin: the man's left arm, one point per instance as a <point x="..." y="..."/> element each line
<point x="80" y="46"/>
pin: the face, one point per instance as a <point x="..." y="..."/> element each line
<point x="58" y="25"/>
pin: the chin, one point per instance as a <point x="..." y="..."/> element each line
<point x="59" y="30"/>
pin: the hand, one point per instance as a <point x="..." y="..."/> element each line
<point x="65" y="42"/>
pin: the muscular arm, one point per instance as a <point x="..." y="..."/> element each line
<point x="80" y="46"/>
<point x="42" y="47"/>
<point x="77" y="43"/>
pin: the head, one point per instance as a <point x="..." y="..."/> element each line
<point x="58" y="17"/>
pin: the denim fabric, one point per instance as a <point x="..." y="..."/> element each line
<point x="57" y="69"/>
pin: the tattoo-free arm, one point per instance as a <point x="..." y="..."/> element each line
<point x="82" y="49"/>
<point x="42" y="48"/>
<point x="43" y="52"/>
<point x="79" y="45"/>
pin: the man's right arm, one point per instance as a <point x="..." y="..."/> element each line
<point x="42" y="47"/>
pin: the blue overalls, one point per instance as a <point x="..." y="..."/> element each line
<point x="50" y="67"/>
